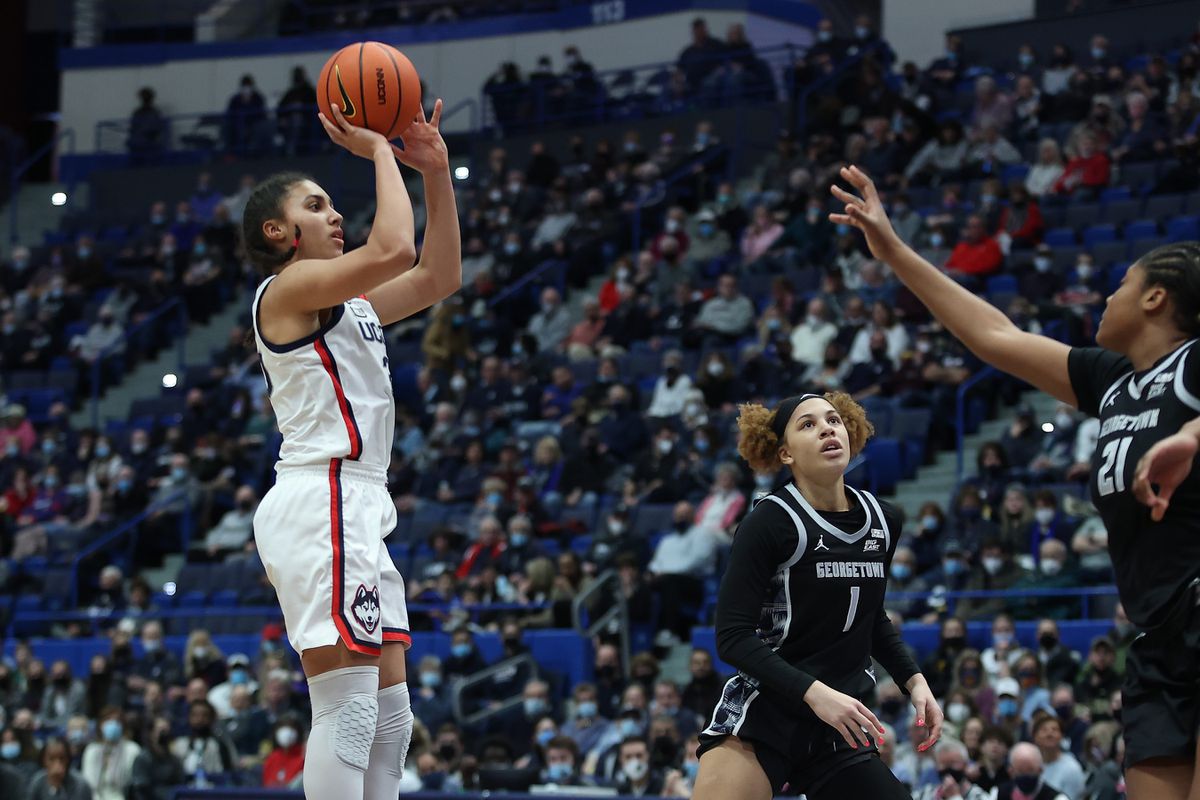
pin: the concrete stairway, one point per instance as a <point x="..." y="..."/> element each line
<point x="147" y="378"/>
<point x="937" y="481"/>
<point x="36" y="215"/>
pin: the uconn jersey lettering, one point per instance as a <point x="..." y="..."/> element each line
<point x="331" y="390"/>
<point x="1152" y="561"/>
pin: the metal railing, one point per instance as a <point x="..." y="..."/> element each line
<point x="683" y="172"/>
<point x="1083" y="593"/>
<point x="129" y="529"/>
<point x="634" y="92"/>
<point x="617" y="615"/>
<point x="50" y="148"/>
<point x="495" y="707"/>
<point x="119" y="347"/>
<point x="826" y="83"/>
<point x="960" y="409"/>
<point x="555" y="266"/>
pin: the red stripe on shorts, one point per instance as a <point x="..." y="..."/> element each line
<point x="339" y="562"/>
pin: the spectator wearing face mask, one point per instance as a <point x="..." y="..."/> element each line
<point x="671" y="388"/>
<point x="1029" y="782"/>
<point x="203" y="750"/>
<point x="1099" y="678"/>
<point x="939" y="666"/>
<point x="996" y="571"/>
<point x="683" y="558"/>
<point x="108" y="763"/>
<point x="232" y="532"/>
<point x="634" y="775"/>
<point x="64" y="697"/>
<point x="284" y="765"/>
<point x="562" y="762"/>
<point x="708" y="242"/>
<point x="239" y="674"/>
<point x="1001" y="657"/>
<point x="950" y="758"/>
<point x="1054" y="571"/>
<point x="587" y="727"/>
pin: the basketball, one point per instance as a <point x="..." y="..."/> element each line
<point x="374" y="84"/>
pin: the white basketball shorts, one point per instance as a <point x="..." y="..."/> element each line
<point x="319" y="532"/>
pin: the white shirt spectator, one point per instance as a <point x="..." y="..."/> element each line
<point x="691" y="553"/>
<point x="552" y="228"/>
<point x="550" y="327"/>
<point x="1042" y="177"/>
<point x="731" y="317"/>
<point x="101" y="335"/>
<point x="809" y="340"/>
<point x="897" y="337"/>
<point x="669" y="400"/>
<point x="1086" y="436"/>
<point x="1065" y="774"/>
<point x="108" y="769"/>
<point x="233" y="531"/>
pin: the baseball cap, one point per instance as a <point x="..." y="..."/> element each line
<point x="953" y="546"/>
<point x="1008" y="686"/>
<point x="238" y="660"/>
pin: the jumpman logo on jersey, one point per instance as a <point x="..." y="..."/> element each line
<point x="821" y="544"/>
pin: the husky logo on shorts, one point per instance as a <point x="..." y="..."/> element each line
<point x="366" y="607"/>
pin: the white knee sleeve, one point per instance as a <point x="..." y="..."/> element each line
<point x="345" y="713"/>
<point x="390" y="749"/>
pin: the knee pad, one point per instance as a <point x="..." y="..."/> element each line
<point x="395" y="723"/>
<point x="354" y="730"/>
<point x="405" y="737"/>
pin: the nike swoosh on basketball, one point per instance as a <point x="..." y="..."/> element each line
<point x="348" y="109"/>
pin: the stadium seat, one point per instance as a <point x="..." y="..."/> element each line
<point x="1122" y="212"/>
<point x="1081" y="215"/>
<point x="1109" y="253"/>
<point x="885" y="464"/>
<point x="1060" y="237"/>
<point x="1163" y="206"/>
<point x="1182" y="229"/>
<point x="1141" y="229"/>
<point x="650" y="518"/>
<point x="1098" y="234"/>
<point x="1002" y="283"/>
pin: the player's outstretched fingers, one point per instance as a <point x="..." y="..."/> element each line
<point x="844" y="196"/>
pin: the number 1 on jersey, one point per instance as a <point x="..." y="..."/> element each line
<point x="1111" y="477"/>
<point x="854" y="590"/>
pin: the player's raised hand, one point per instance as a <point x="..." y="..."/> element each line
<point x="1166" y="464"/>
<point x="929" y="714"/>
<point x="362" y="142"/>
<point x="424" y="149"/>
<point x="847" y="716"/>
<point x="865" y="212"/>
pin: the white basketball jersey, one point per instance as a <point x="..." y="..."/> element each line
<point x="331" y="390"/>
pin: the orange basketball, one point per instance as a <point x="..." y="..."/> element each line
<point x="374" y="84"/>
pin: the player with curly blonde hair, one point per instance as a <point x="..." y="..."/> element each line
<point x="800" y="614"/>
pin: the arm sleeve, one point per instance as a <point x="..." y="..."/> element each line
<point x="765" y="540"/>
<point x="886" y="645"/>
<point x="1092" y="371"/>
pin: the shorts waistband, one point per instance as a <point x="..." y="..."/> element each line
<point x="349" y="470"/>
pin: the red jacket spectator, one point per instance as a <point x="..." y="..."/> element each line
<point x="282" y="766"/>
<point x="486" y="550"/>
<point x="1022" y="220"/>
<point x="1089" y="169"/>
<point x="976" y="253"/>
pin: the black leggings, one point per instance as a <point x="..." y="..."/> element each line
<point x="867" y="778"/>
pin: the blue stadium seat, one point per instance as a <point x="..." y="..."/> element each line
<point x="225" y="597"/>
<point x="1122" y="212"/>
<point x="1002" y="283"/>
<point x="1080" y="215"/>
<point x="1191" y="204"/>
<point x="1060" y="237"/>
<point x="885" y="465"/>
<point x="1109" y="253"/>
<point x="1182" y="229"/>
<point x="650" y="518"/>
<point x="1114" y="193"/>
<point x="1098" y="234"/>
<point x="1141" y="229"/>
<point x="1140" y="247"/>
<point x="193" y="599"/>
<point x="1163" y="206"/>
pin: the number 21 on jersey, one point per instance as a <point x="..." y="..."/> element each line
<point x="1111" y="476"/>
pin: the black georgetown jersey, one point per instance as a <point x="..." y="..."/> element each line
<point x="1153" y="561"/>
<point x="802" y="600"/>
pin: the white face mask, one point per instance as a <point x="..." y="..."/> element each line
<point x="992" y="565"/>
<point x="1051" y="567"/>
<point x="958" y="712"/>
<point x="1044" y="516"/>
<point x="286" y="737"/>
<point x="716" y="369"/>
<point x="458" y="383"/>
<point x="635" y="769"/>
<point x="1063" y="419"/>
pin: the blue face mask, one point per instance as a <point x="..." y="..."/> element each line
<point x="47" y="446"/>
<point x="544" y="737"/>
<point x="495" y="499"/>
<point x="557" y="773"/>
<point x="901" y="572"/>
<point x="239" y="677"/>
<point x="103" y="451"/>
<point x="431" y="680"/>
<point x="512" y="248"/>
<point x="199" y="248"/>
<point x="124" y="485"/>
<point x="1007" y="707"/>
<point x="518" y="539"/>
<point x="929" y="522"/>
<point x="110" y="730"/>
<point x="629" y="727"/>
<point x="706" y="229"/>
<point x="953" y="566"/>
<point x="690" y="769"/>
<point x="10" y="750"/>
<point x="534" y="706"/>
<point x="586" y="709"/>
<point x="461" y="650"/>
<point x="179" y="473"/>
